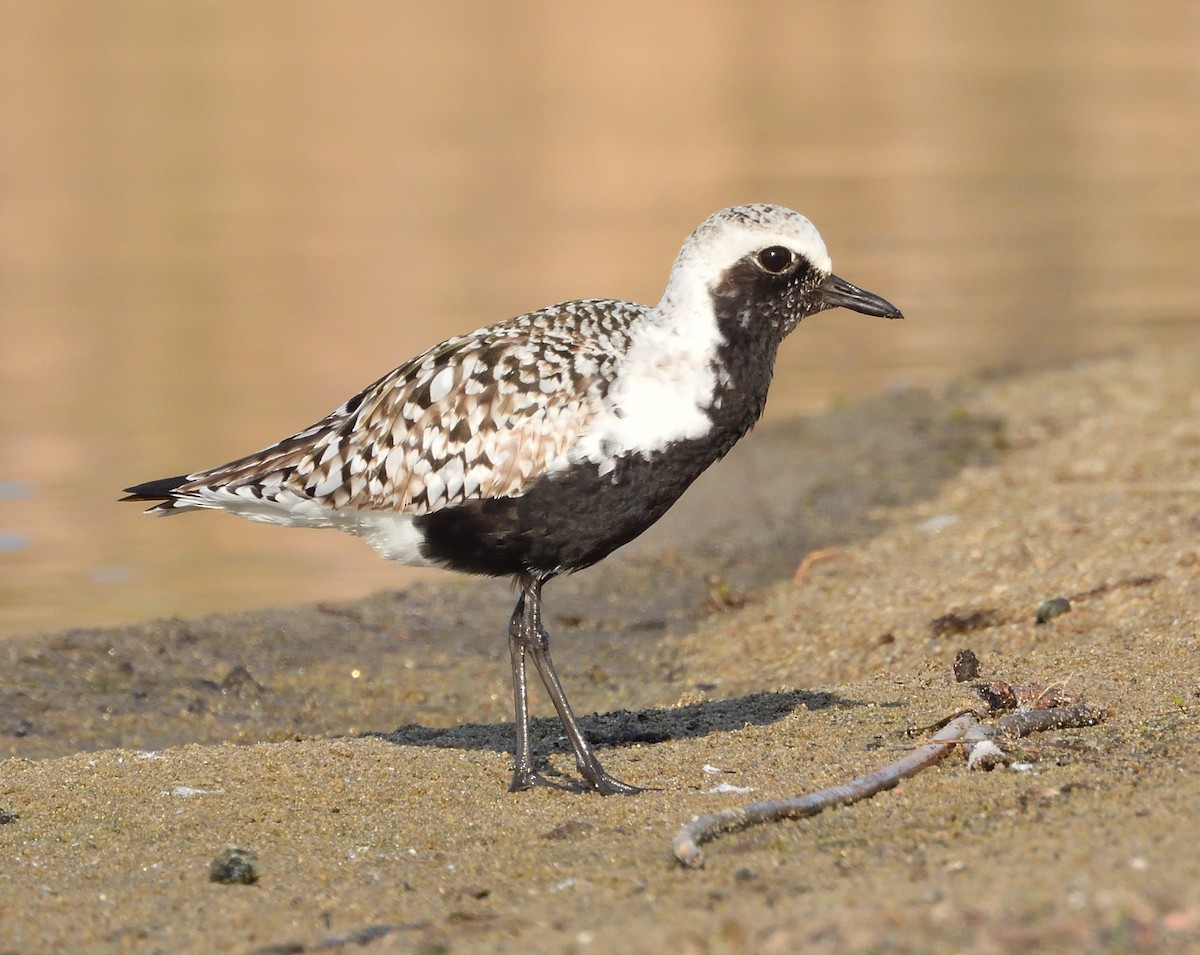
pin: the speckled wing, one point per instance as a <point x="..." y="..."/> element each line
<point x="479" y="416"/>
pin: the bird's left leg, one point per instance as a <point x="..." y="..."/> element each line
<point x="536" y="642"/>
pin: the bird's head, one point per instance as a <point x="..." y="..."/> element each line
<point x="761" y="264"/>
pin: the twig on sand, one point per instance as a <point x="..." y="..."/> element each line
<point x="966" y="729"/>
<point x="825" y="554"/>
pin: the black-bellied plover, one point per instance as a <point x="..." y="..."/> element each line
<point x="538" y="446"/>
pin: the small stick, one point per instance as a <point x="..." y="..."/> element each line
<point x="703" y="828"/>
<point x="1022" y="722"/>
<point x="813" y="556"/>
<point x="965" y="728"/>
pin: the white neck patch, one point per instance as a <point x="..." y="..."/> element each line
<point x="667" y="379"/>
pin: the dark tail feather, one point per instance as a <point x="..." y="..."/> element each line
<point x="159" y="490"/>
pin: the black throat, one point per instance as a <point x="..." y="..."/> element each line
<point x="754" y="311"/>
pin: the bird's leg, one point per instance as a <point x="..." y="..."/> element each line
<point x="524" y="775"/>
<point x="536" y="642"/>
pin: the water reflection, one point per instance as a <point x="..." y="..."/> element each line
<point x="222" y="219"/>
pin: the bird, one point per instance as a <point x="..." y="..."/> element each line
<point x="537" y="446"/>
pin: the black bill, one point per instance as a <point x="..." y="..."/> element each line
<point x="835" y="292"/>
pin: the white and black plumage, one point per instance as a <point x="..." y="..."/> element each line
<point x="538" y="446"/>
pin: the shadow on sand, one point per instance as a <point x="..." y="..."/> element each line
<point x="623" y="727"/>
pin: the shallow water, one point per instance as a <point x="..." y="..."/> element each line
<point x="220" y="220"/>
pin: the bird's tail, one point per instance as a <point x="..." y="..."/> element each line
<point x="160" y="490"/>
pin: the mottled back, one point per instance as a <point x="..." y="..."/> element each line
<point x="478" y="416"/>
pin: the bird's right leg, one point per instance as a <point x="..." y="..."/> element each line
<point x="524" y="775"/>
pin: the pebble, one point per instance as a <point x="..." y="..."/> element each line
<point x="234" y="866"/>
<point x="1049" y="609"/>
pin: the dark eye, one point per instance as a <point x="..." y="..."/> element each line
<point x="776" y="259"/>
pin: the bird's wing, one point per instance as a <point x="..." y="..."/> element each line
<point x="479" y="416"/>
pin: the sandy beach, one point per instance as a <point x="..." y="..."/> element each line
<point x="361" y="750"/>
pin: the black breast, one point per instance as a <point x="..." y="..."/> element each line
<point x="566" y="521"/>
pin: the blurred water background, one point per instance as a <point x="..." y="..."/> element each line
<point x="220" y="219"/>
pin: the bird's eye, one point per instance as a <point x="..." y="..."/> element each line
<point x="776" y="259"/>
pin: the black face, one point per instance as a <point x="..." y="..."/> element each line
<point x="767" y="292"/>
<point x="777" y="287"/>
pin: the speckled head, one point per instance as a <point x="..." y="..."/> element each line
<point x="727" y="236"/>
<point x="763" y="260"/>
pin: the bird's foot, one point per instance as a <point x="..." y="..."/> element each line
<point x="595" y="780"/>
<point x="528" y="778"/>
<point x="598" y="780"/>
<point x="607" y="785"/>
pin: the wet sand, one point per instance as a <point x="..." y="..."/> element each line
<point x="136" y="755"/>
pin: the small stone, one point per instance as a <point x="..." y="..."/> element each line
<point x="6" y="817"/>
<point x="234" y="866"/>
<point x="240" y="682"/>
<point x="1049" y="609"/>
<point x="966" y="666"/>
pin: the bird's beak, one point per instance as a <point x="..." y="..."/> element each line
<point x="835" y="292"/>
